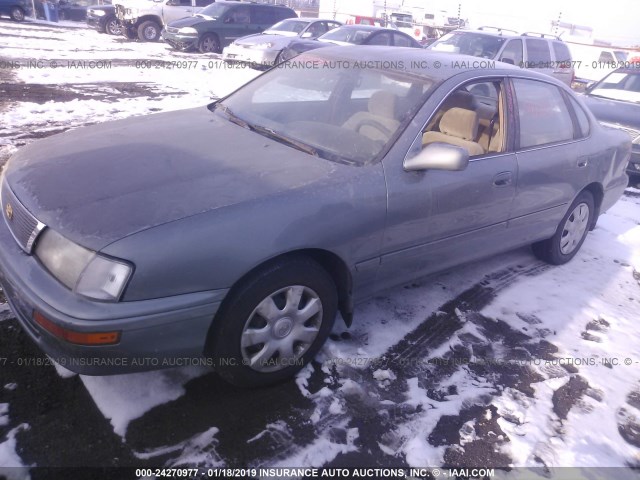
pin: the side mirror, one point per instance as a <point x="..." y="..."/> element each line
<point x="438" y="156"/>
<point x="306" y="35"/>
<point x="508" y="60"/>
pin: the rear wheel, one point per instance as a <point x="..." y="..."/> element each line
<point x="274" y="323"/>
<point x="571" y="232"/>
<point x="149" y="31"/>
<point x="17" y="14"/>
<point x="112" y="26"/>
<point x="209" y="43"/>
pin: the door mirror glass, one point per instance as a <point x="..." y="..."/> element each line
<point x="438" y="156"/>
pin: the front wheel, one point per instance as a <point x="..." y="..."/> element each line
<point x="570" y="234"/>
<point x="274" y="323"/>
<point x="112" y="26"/>
<point x="17" y="14"/>
<point x="148" y="31"/>
<point x="209" y="44"/>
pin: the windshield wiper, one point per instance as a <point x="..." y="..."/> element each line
<point x="232" y="116"/>
<point x="267" y="132"/>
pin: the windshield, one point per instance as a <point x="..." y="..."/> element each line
<point x="215" y="10"/>
<point x="294" y="26"/>
<point x="336" y="109"/>
<point x="466" y="43"/>
<point x="347" y="35"/>
<point x="619" y="86"/>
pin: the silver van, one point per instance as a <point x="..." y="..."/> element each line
<point x="542" y="52"/>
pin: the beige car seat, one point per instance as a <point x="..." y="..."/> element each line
<point x="382" y="111"/>
<point x="458" y="126"/>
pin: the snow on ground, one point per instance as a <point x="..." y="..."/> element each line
<point x="592" y="308"/>
<point x="121" y="398"/>
<point x="509" y="373"/>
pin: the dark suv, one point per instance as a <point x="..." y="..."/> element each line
<point x="221" y="23"/>
<point x="16" y="9"/>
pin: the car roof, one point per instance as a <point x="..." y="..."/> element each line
<point x="365" y="27"/>
<point x="241" y="2"/>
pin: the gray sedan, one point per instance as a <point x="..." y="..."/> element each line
<point x="263" y="49"/>
<point x="235" y="233"/>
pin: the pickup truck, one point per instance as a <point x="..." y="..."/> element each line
<point x="144" y="19"/>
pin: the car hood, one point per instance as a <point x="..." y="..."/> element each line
<point x="190" y="21"/>
<point x="104" y="8"/>
<point x="614" y="111"/>
<point x="277" y="40"/>
<point x="98" y="184"/>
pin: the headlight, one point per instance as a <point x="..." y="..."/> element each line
<point x="263" y="46"/>
<point x="81" y="270"/>
<point x="98" y="13"/>
<point x="188" y="31"/>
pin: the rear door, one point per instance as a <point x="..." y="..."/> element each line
<point x="553" y="158"/>
<point x="538" y="55"/>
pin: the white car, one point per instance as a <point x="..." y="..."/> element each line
<point x="263" y="49"/>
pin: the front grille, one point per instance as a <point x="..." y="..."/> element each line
<point x="172" y="29"/>
<point x="24" y="227"/>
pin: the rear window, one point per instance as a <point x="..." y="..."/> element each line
<point x="561" y="52"/>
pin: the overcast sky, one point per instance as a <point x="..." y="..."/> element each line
<point x="617" y="21"/>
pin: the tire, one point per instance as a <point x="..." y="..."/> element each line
<point x="149" y="31"/>
<point x="17" y="14"/>
<point x="111" y="26"/>
<point x="209" y="43"/>
<point x="128" y="32"/>
<point x="262" y="335"/>
<point x="570" y="234"/>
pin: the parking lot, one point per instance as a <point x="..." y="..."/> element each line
<point x="500" y="363"/>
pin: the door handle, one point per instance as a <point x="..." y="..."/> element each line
<point x="583" y="162"/>
<point x="502" y="179"/>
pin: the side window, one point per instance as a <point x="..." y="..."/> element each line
<point x="202" y="3"/>
<point x="240" y="15"/>
<point x="379" y="39"/>
<point x="538" y="53"/>
<point x="562" y="53"/>
<point x="606" y="57"/>
<point x="262" y="16"/>
<point x="401" y="40"/>
<point x="472" y="117"/>
<point x="185" y="3"/>
<point x="317" y="28"/>
<point x="543" y="114"/>
<point x="583" y="120"/>
<point x="512" y="53"/>
<point x="333" y="25"/>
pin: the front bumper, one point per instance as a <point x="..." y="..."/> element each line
<point x="634" y="162"/>
<point x="253" y="56"/>
<point x="95" y="21"/>
<point x="158" y="333"/>
<point x="180" y="42"/>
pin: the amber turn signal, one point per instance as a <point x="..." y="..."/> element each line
<point x="78" y="338"/>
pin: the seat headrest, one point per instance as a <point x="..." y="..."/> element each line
<point x="461" y="123"/>
<point x="383" y="104"/>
